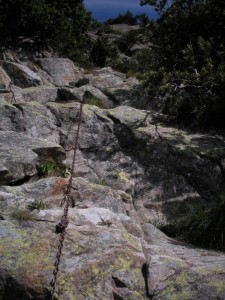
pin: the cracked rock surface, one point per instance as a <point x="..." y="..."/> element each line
<point x="132" y="171"/>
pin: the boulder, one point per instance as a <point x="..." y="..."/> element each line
<point x="41" y="94"/>
<point x="17" y="96"/>
<point x="20" y="155"/>
<point x="116" y="86"/>
<point x="89" y="93"/>
<point x="4" y="80"/>
<point x="179" y="271"/>
<point x="11" y="117"/>
<point x="106" y="255"/>
<point x="21" y="75"/>
<point x="62" y="70"/>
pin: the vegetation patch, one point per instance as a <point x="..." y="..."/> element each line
<point x="204" y="226"/>
<point x="50" y="168"/>
<point x="92" y="100"/>
<point x="36" y="204"/>
<point x="23" y="215"/>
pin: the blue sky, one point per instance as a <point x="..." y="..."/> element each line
<point x="105" y="9"/>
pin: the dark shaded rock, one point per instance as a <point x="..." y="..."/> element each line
<point x="21" y="75"/>
<point x="81" y="82"/>
<point x="4" y="80"/>
<point x="11" y="117"/>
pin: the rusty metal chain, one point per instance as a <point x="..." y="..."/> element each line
<point x="11" y="91"/>
<point x="62" y="225"/>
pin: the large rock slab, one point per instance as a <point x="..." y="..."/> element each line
<point x="179" y="271"/>
<point x="20" y="155"/>
<point x="106" y="255"/>
<point x="89" y="93"/>
<point x="62" y="70"/>
<point x="183" y="169"/>
<point x="116" y="85"/>
<point x="99" y="254"/>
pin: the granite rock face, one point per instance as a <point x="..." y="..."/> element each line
<point x="132" y="171"/>
<point x="62" y="71"/>
<point x="20" y="155"/>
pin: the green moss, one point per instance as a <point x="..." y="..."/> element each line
<point x="109" y="149"/>
<point x="177" y="287"/>
<point x="25" y="252"/>
<point x="218" y="284"/>
<point x="97" y="186"/>
<point x="123" y="263"/>
<point x="122" y="176"/>
<point x="92" y="100"/>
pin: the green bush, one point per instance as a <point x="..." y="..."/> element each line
<point x="103" y="52"/>
<point x="185" y="69"/>
<point x="58" y="24"/>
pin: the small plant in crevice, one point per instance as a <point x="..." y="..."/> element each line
<point x="204" y="226"/>
<point x="101" y="181"/>
<point x="92" y="100"/>
<point x="50" y="168"/>
<point x="23" y="215"/>
<point x="36" y="204"/>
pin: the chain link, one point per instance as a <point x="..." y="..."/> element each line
<point x="62" y="225"/>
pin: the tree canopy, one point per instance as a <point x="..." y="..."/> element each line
<point x="187" y="70"/>
<point x="55" y="23"/>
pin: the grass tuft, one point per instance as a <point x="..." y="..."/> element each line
<point x="204" y="227"/>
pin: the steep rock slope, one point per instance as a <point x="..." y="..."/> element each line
<point x="132" y="170"/>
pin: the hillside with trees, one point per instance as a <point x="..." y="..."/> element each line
<point x="58" y="25"/>
<point x="179" y="58"/>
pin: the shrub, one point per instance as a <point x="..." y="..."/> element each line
<point x="185" y="70"/>
<point x="51" y="168"/>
